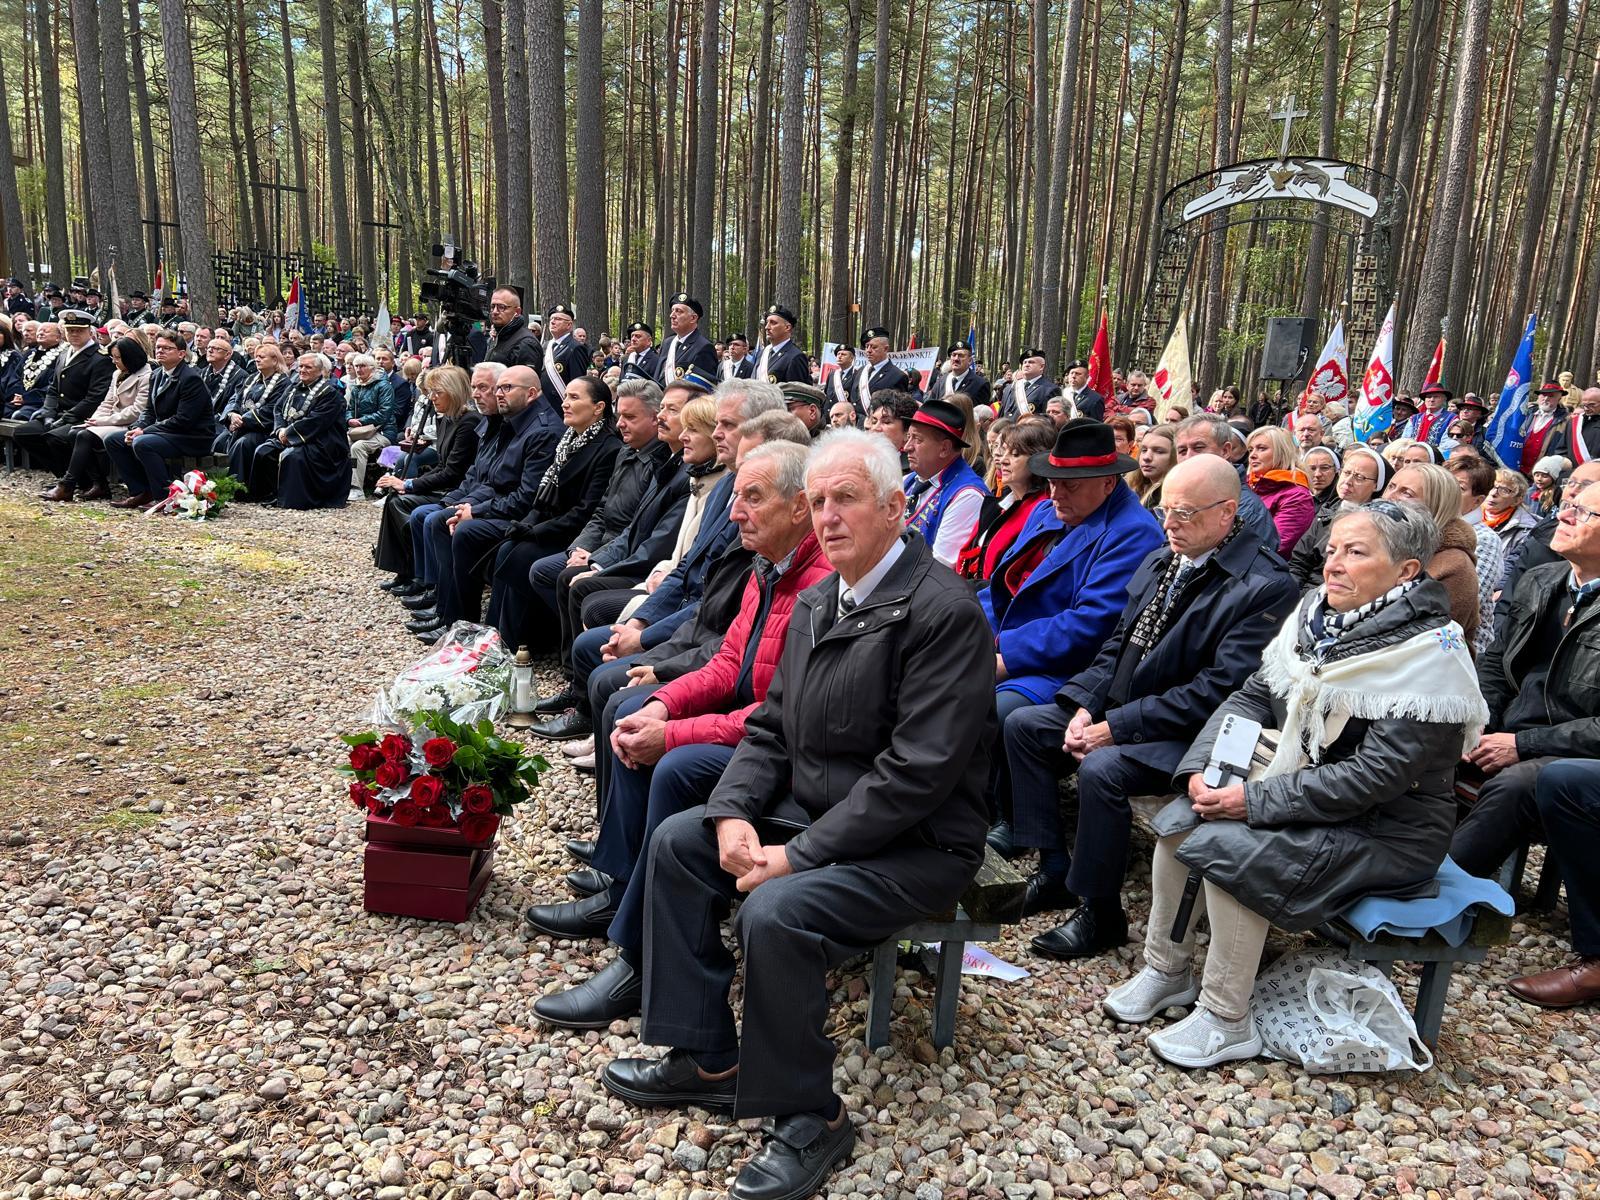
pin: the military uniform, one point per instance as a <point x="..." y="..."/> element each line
<point x="692" y="351"/>
<point x="784" y="362"/>
<point x="565" y="359"/>
<point x="641" y="364"/>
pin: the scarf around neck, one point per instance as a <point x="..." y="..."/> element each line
<point x="1164" y="608"/>
<point x="1429" y="676"/>
<point x="570" y="441"/>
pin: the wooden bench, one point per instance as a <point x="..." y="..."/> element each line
<point x="994" y="899"/>
<point x="8" y="433"/>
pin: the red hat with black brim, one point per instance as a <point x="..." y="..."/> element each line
<point x="943" y="416"/>
<point x="1437" y="389"/>
<point x="1084" y="449"/>
<point x="1471" y="400"/>
<point x="1551" y="388"/>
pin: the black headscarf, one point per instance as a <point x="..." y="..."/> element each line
<point x="132" y="354"/>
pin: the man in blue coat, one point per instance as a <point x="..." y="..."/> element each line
<point x="1200" y="611"/>
<point x="1057" y="593"/>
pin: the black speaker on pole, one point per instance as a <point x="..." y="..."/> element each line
<point x="1291" y="341"/>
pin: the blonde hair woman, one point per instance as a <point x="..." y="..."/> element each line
<point x="1282" y="486"/>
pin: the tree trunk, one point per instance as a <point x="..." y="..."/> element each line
<point x="96" y="140"/>
<point x="1538" y="193"/>
<point x="247" y="121"/>
<point x="1217" y="250"/>
<point x="1055" y="216"/>
<point x="333" y="122"/>
<point x="1165" y="128"/>
<point x="123" y="167"/>
<point x="1039" y="160"/>
<point x="547" y="52"/>
<point x="12" y="232"/>
<point x="791" y="227"/>
<point x="55" y="168"/>
<point x="593" y="292"/>
<point x="500" y="173"/>
<point x="190" y="177"/>
<point x="367" y="175"/>
<point x="705" y="163"/>
<point x="147" y="142"/>
<point x="297" y="145"/>
<point x="1433" y="283"/>
<point x="840" y="327"/>
<point x="761" y="138"/>
<point x="872" y="292"/>
<point x="515" y="179"/>
<point x="1316" y="256"/>
<point x="1557" y="325"/>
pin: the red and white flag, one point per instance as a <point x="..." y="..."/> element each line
<point x="1331" y="377"/>
<point x="1172" y="380"/>
<point x="1375" y="410"/>
<point x="1435" y="367"/>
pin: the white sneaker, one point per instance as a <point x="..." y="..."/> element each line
<point x="356" y="496"/>
<point x="1150" y="992"/>
<point x="1203" y="1039"/>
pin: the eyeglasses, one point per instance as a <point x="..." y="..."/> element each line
<point x="1579" y="514"/>
<point x="1503" y="489"/>
<point x="1184" y="515"/>
<point x="499" y="307"/>
<point x="1357" y="477"/>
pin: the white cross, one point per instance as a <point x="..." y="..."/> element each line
<point x="1287" y="114"/>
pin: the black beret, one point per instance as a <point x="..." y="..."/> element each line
<point x="564" y="309"/>
<point x="778" y="310"/>
<point x="877" y="331"/>
<point x="641" y="327"/>
<point x="690" y="302"/>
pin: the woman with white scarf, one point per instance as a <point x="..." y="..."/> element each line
<point x="1373" y="696"/>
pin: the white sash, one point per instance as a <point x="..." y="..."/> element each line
<point x="1020" y="396"/>
<point x="838" y="387"/>
<point x="1578" y="448"/>
<point x="761" y="363"/>
<point x="864" y="384"/>
<point x="550" y="371"/>
<point x="671" y="360"/>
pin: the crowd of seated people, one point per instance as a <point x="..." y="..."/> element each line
<point x="824" y="643"/>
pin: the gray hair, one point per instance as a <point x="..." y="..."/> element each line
<point x="643" y="390"/>
<point x="357" y="361"/>
<point x="1406" y="529"/>
<point x="493" y="369"/>
<point x="872" y="452"/>
<point x="776" y="427"/>
<point x="1222" y="430"/>
<point x="319" y="358"/>
<point x="788" y="465"/>
<point x="756" y="396"/>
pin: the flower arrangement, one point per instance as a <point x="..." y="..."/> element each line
<point x="465" y="676"/>
<point x="446" y="775"/>
<point x="197" y="497"/>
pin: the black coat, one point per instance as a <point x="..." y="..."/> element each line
<point x="879" y="726"/>
<point x="78" y="388"/>
<point x="1038" y="392"/>
<point x="694" y="642"/>
<point x="179" y="408"/>
<point x="580" y="489"/>
<point x="258" y="403"/>
<point x="789" y="365"/>
<point x="694" y="350"/>
<point x="742" y="369"/>
<point x="572" y="360"/>
<point x="631" y="473"/>
<point x="314" y="468"/>
<point x="516" y="346"/>
<point x="1373" y="817"/>
<point x="884" y="376"/>
<point x="646" y="364"/>
<point x="975" y="386"/>
<point x="649" y="535"/>
<point x="1090" y="404"/>
<point x="456" y="442"/>
<point x="1212" y="645"/>
<point x="224" y="386"/>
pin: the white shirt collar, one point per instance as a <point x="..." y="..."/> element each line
<point x="868" y="583"/>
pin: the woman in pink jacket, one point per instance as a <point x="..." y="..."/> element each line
<point x="1273" y="474"/>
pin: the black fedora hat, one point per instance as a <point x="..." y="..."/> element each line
<point x="943" y="416"/>
<point x="1084" y="449"/>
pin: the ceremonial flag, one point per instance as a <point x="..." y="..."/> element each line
<point x="1435" y="373"/>
<point x="1375" y="408"/>
<point x="1172" y="380"/>
<point x="161" y="274"/>
<point x="972" y="336"/>
<point x="381" y="327"/>
<point x="1100" y="360"/>
<point x="295" y="313"/>
<point x="1331" y="377"/>
<point x="1504" y="432"/>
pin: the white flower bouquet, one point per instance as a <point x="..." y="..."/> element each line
<point x="465" y="676"/>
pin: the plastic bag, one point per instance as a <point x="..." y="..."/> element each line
<point x="1331" y="1015"/>
<point x="465" y="676"/>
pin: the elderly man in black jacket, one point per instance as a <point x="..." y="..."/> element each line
<point x="81" y="379"/>
<point x="176" y="421"/>
<point x="873" y="741"/>
<point x="1200" y="611"/>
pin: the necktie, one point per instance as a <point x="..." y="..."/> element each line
<point x="1186" y="570"/>
<point x="918" y="489"/>
<point x="847" y="603"/>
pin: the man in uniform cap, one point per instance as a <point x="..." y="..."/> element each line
<point x="642" y="358"/>
<point x="1082" y="400"/>
<point x="565" y="358"/>
<point x="736" y="364"/>
<point x="1029" y="388"/>
<point x="944" y="496"/>
<point x="54" y="304"/>
<point x="170" y="316"/>
<point x="878" y="373"/>
<point x="961" y="376"/>
<point x="809" y="403"/>
<point x="17" y="300"/>
<point x="687" y="349"/>
<point x="79" y="384"/>
<point x="781" y="361"/>
<point x="842" y="381"/>
<point x="138" y="308"/>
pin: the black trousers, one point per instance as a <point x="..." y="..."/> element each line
<point x="87" y="464"/>
<point x="1505" y="816"/>
<point x="792" y="930"/>
<point x="1568" y="797"/>
<point x="394" y="552"/>
<point x="48" y="446"/>
<point x="517" y="609"/>
<point x="577" y="614"/>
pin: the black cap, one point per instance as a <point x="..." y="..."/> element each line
<point x="1029" y="352"/>
<point x="136" y="294"/>
<point x="736" y="337"/>
<point x="778" y="310"/>
<point x="564" y="309"/>
<point x="690" y="302"/>
<point x="846" y="347"/>
<point x="954" y="346"/>
<point x="877" y="331"/>
<point x="641" y="327"/>
<point x="1077" y="364"/>
<point x="1473" y="400"/>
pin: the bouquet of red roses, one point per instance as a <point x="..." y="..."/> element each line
<point x="445" y="775"/>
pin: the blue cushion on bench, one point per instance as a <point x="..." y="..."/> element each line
<point x="1449" y="914"/>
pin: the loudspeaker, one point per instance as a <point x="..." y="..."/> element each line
<point x="1291" y="341"/>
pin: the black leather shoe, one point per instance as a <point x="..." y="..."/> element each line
<point x="396" y="585"/>
<point x="1045" y="894"/>
<point x="999" y="840"/>
<point x="586" y="881"/>
<point x="411" y="587"/>
<point x="559" y="703"/>
<point x="798" y="1155"/>
<point x="429" y="634"/>
<point x="586" y="918"/>
<point x="670" y="1082"/>
<point x="581" y="849"/>
<point x="611" y="995"/>
<point x="428" y="618"/>
<point x="568" y="727"/>
<point x="1095" y="928"/>
<point x="421" y="600"/>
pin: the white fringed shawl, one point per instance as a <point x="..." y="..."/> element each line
<point x="1428" y="677"/>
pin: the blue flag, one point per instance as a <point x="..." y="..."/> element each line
<point x="1504" y="432"/>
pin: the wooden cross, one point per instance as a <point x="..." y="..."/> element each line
<point x="1287" y="115"/>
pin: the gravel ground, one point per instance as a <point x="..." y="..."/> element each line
<point x="193" y="1004"/>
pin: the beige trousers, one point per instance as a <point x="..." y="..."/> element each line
<point x="365" y="441"/>
<point x="1238" y="935"/>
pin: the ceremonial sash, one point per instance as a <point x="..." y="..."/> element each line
<point x="671" y="360"/>
<point x="1577" y="447"/>
<point x="552" y="371"/>
<point x="838" y="387"/>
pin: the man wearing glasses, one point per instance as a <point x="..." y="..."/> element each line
<point x="1200" y="611"/>
<point x="515" y="345"/>
<point x="1541" y="679"/>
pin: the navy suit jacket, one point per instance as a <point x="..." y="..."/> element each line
<point x="694" y="350"/>
<point x="684" y="584"/>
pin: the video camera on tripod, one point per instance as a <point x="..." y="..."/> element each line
<point x="462" y="296"/>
